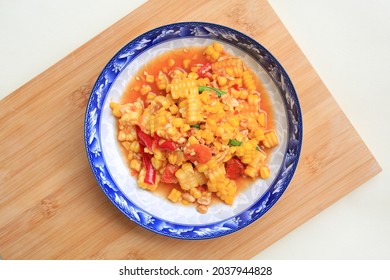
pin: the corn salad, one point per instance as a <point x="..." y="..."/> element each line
<point x="195" y="122"/>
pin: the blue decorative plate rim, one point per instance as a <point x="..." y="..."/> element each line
<point x="184" y="30"/>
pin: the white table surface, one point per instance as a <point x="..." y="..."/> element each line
<point x="347" y="42"/>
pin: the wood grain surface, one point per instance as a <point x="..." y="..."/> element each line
<point x="50" y="204"/>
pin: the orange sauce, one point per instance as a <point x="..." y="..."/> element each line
<point x="195" y="54"/>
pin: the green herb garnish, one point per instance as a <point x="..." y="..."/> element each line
<point x="234" y="142"/>
<point x="196" y="126"/>
<point x="218" y="91"/>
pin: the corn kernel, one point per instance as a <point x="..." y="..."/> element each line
<point x="173" y="109"/>
<point x="207" y="135"/>
<point x="222" y="81"/>
<point x="215" y="55"/>
<point x="270" y="139"/>
<point x="145" y="89"/>
<point x="135" y="164"/>
<point x="185" y="128"/>
<point x="174" y="195"/>
<point x="192" y="140"/>
<point x="171" y="62"/>
<point x="259" y="135"/>
<point x="193" y="75"/>
<point x="262" y="119"/>
<point x="217" y="47"/>
<point x="186" y="62"/>
<point x="149" y="78"/>
<point x="244" y="94"/>
<point x="178" y="122"/>
<point x="202" y="167"/>
<point x="195" y="193"/>
<point x="264" y="172"/>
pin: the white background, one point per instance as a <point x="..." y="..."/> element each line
<point x="347" y="42"/>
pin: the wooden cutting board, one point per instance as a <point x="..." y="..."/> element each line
<point x="50" y="204"/>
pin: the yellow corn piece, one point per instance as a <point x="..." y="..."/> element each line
<point x="163" y="101"/>
<point x="211" y="124"/>
<point x="178" y="122"/>
<point x="162" y="81"/>
<point x="184" y="128"/>
<point x="173" y="109"/>
<point x="164" y="115"/>
<point x="130" y="113"/>
<point x="135" y="164"/>
<point x="171" y="62"/>
<point x="248" y="82"/>
<point x="221" y="185"/>
<point x="218" y="47"/>
<point x="231" y="66"/>
<point x="259" y="134"/>
<point x="134" y="147"/>
<point x="145" y="119"/>
<point x="207" y="135"/>
<point x="253" y="103"/>
<point x="145" y="89"/>
<point x="174" y="195"/>
<point x="264" y="172"/>
<point x="149" y="78"/>
<point x="186" y="63"/>
<point x="262" y="119"/>
<point x="194" y="106"/>
<point x="227" y="191"/>
<point x="186" y="177"/>
<point x="200" y="177"/>
<point x="145" y="186"/>
<point x="157" y="163"/>
<point x="115" y="109"/>
<point x="126" y="145"/>
<point x="181" y="88"/>
<point x="203" y="81"/>
<point x="253" y="168"/>
<point x="215" y="176"/>
<point x="176" y="157"/>
<point x="195" y="193"/>
<point x="193" y="75"/>
<point x="192" y="140"/>
<point x="213" y="52"/>
<point x="222" y="81"/>
<point x="271" y="139"/>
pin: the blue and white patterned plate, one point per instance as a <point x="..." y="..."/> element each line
<point x="157" y="213"/>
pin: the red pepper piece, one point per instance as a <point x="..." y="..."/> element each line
<point x="168" y="145"/>
<point x="234" y="168"/>
<point x="143" y="138"/>
<point x="204" y="71"/>
<point x="150" y="175"/>
<point x="236" y="87"/>
<point x="156" y="140"/>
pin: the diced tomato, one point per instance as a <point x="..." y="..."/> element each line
<point x="234" y="168"/>
<point x="198" y="152"/>
<point x="168" y="175"/>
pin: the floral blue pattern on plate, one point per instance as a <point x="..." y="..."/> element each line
<point x="153" y="212"/>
